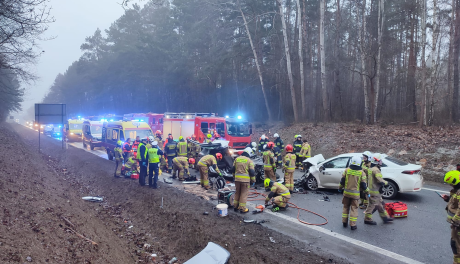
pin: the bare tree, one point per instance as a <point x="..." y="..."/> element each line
<point x="288" y="60"/>
<point x="302" y="76"/>
<point x="381" y="22"/>
<point x="323" y="62"/>
<point x="434" y="63"/>
<point x="423" y="105"/>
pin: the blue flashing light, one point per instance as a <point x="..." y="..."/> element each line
<point x="111" y="120"/>
<point x="102" y="120"/>
<point x="58" y="134"/>
<point x="142" y="120"/>
<point x="239" y="117"/>
<point x="227" y="117"/>
<point x="59" y="126"/>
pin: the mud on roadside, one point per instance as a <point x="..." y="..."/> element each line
<point x="128" y="226"/>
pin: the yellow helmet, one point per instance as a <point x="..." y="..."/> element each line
<point x="452" y="177"/>
<point x="209" y="136"/>
<point x="181" y="137"/>
<point x="267" y="183"/>
<point x="119" y="142"/>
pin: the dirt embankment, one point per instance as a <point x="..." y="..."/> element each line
<point x="45" y="220"/>
<point x="435" y="148"/>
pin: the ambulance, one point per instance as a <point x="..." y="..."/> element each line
<point x="122" y="130"/>
<point x="92" y="134"/>
<point x="155" y="121"/>
<point x="73" y="129"/>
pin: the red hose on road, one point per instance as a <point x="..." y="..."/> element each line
<point x="253" y="194"/>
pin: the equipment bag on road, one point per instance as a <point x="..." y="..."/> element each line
<point x="396" y="209"/>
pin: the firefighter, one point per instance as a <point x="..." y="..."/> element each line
<point x="143" y="161"/>
<point x="453" y="212"/>
<point x="297" y="148"/>
<point x="376" y="183"/>
<point x="180" y="164"/>
<point x="366" y="164"/>
<point x="353" y="180"/>
<point x="159" y="139"/>
<point x="289" y="168"/>
<point x="130" y="166"/>
<point x="166" y="141"/>
<point x="262" y="142"/>
<point x="269" y="161"/>
<point x="203" y="164"/>
<point x="279" y="194"/>
<point x="118" y="154"/>
<point x="305" y="152"/>
<point x="208" y="139"/>
<point x="245" y="175"/>
<point x="181" y="147"/>
<point x="154" y="154"/>
<point x="150" y="142"/>
<point x="136" y="143"/>
<point x="126" y="149"/>
<point x="170" y="151"/>
<point x="280" y="145"/>
<point x="190" y="146"/>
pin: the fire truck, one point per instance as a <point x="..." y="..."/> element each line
<point x="235" y="130"/>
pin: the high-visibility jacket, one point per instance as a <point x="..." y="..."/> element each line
<point x="269" y="159"/>
<point x="181" y="162"/>
<point x="305" y="152"/>
<point x="297" y="146"/>
<point x="160" y="142"/>
<point x="374" y="180"/>
<point x="244" y="167"/>
<point x="130" y="163"/>
<point x="118" y="153"/>
<point x="262" y="143"/>
<point x="170" y="148"/>
<point x="289" y="162"/>
<point x="208" y="161"/>
<point x="366" y="165"/>
<point x="182" y="148"/>
<point x="141" y="156"/>
<point x="279" y="143"/>
<point x="207" y="140"/>
<point x="353" y="181"/>
<point x="453" y="210"/>
<point x="153" y="155"/>
<point x="278" y="189"/>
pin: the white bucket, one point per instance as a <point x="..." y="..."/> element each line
<point x="222" y="210"/>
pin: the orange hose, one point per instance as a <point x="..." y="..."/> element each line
<point x="253" y="194"/>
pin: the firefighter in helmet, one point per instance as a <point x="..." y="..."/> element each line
<point x="244" y="174"/>
<point x="289" y="168"/>
<point x="279" y="194"/>
<point x="269" y="161"/>
<point x="453" y="211"/>
<point x="203" y="166"/>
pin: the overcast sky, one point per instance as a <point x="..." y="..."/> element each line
<point x="75" y="20"/>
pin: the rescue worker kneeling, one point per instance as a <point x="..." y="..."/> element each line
<point x="453" y="212"/>
<point x="203" y="166"/>
<point x="279" y="193"/>
<point x="244" y="174"/>
<point x="353" y="180"/>
<point x="180" y="164"/>
<point x="130" y="167"/>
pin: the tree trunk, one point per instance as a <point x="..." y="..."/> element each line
<point x="434" y="66"/>
<point x="423" y="105"/>
<point x="305" y="41"/>
<point x="367" y="111"/>
<point x="381" y="22"/>
<point x="455" y="115"/>
<point x="288" y="61"/>
<point x="302" y="76"/>
<point x="451" y="57"/>
<point x="411" y="69"/>
<point x="259" y="70"/>
<point x="338" y="91"/>
<point x="323" y="62"/>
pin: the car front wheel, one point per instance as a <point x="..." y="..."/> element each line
<point x="390" y="191"/>
<point x="312" y="183"/>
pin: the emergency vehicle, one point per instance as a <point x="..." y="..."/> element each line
<point x="121" y="130"/>
<point x="73" y="129"/>
<point x="155" y="121"/>
<point x="92" y="134"/>
<point x="235" y="130"/>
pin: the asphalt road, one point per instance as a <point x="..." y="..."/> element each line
<point x="421" y="237"/>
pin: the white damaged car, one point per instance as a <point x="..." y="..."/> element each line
<point x="401" y="176"/>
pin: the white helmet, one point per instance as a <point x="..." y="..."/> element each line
<point x="265" y="146"/>
<point x="276" y="135"/>
<point x="355" y="160"/>
<point x="368" y="154"/>
<point x="254" y="144"/>
<point x="376" y="158"/>
<point x="263" y="137"/>
<point x="151" y="139"/>
<point x="248" y="150"/>
<point x="155" y="143"/>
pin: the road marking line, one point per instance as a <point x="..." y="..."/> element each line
<point x="356" y="242"/>
<point x="434" y="190"/>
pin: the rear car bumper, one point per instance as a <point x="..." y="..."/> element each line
<point x="415" y="186"/>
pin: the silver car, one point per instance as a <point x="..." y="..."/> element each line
<point x="401" y="176"/>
